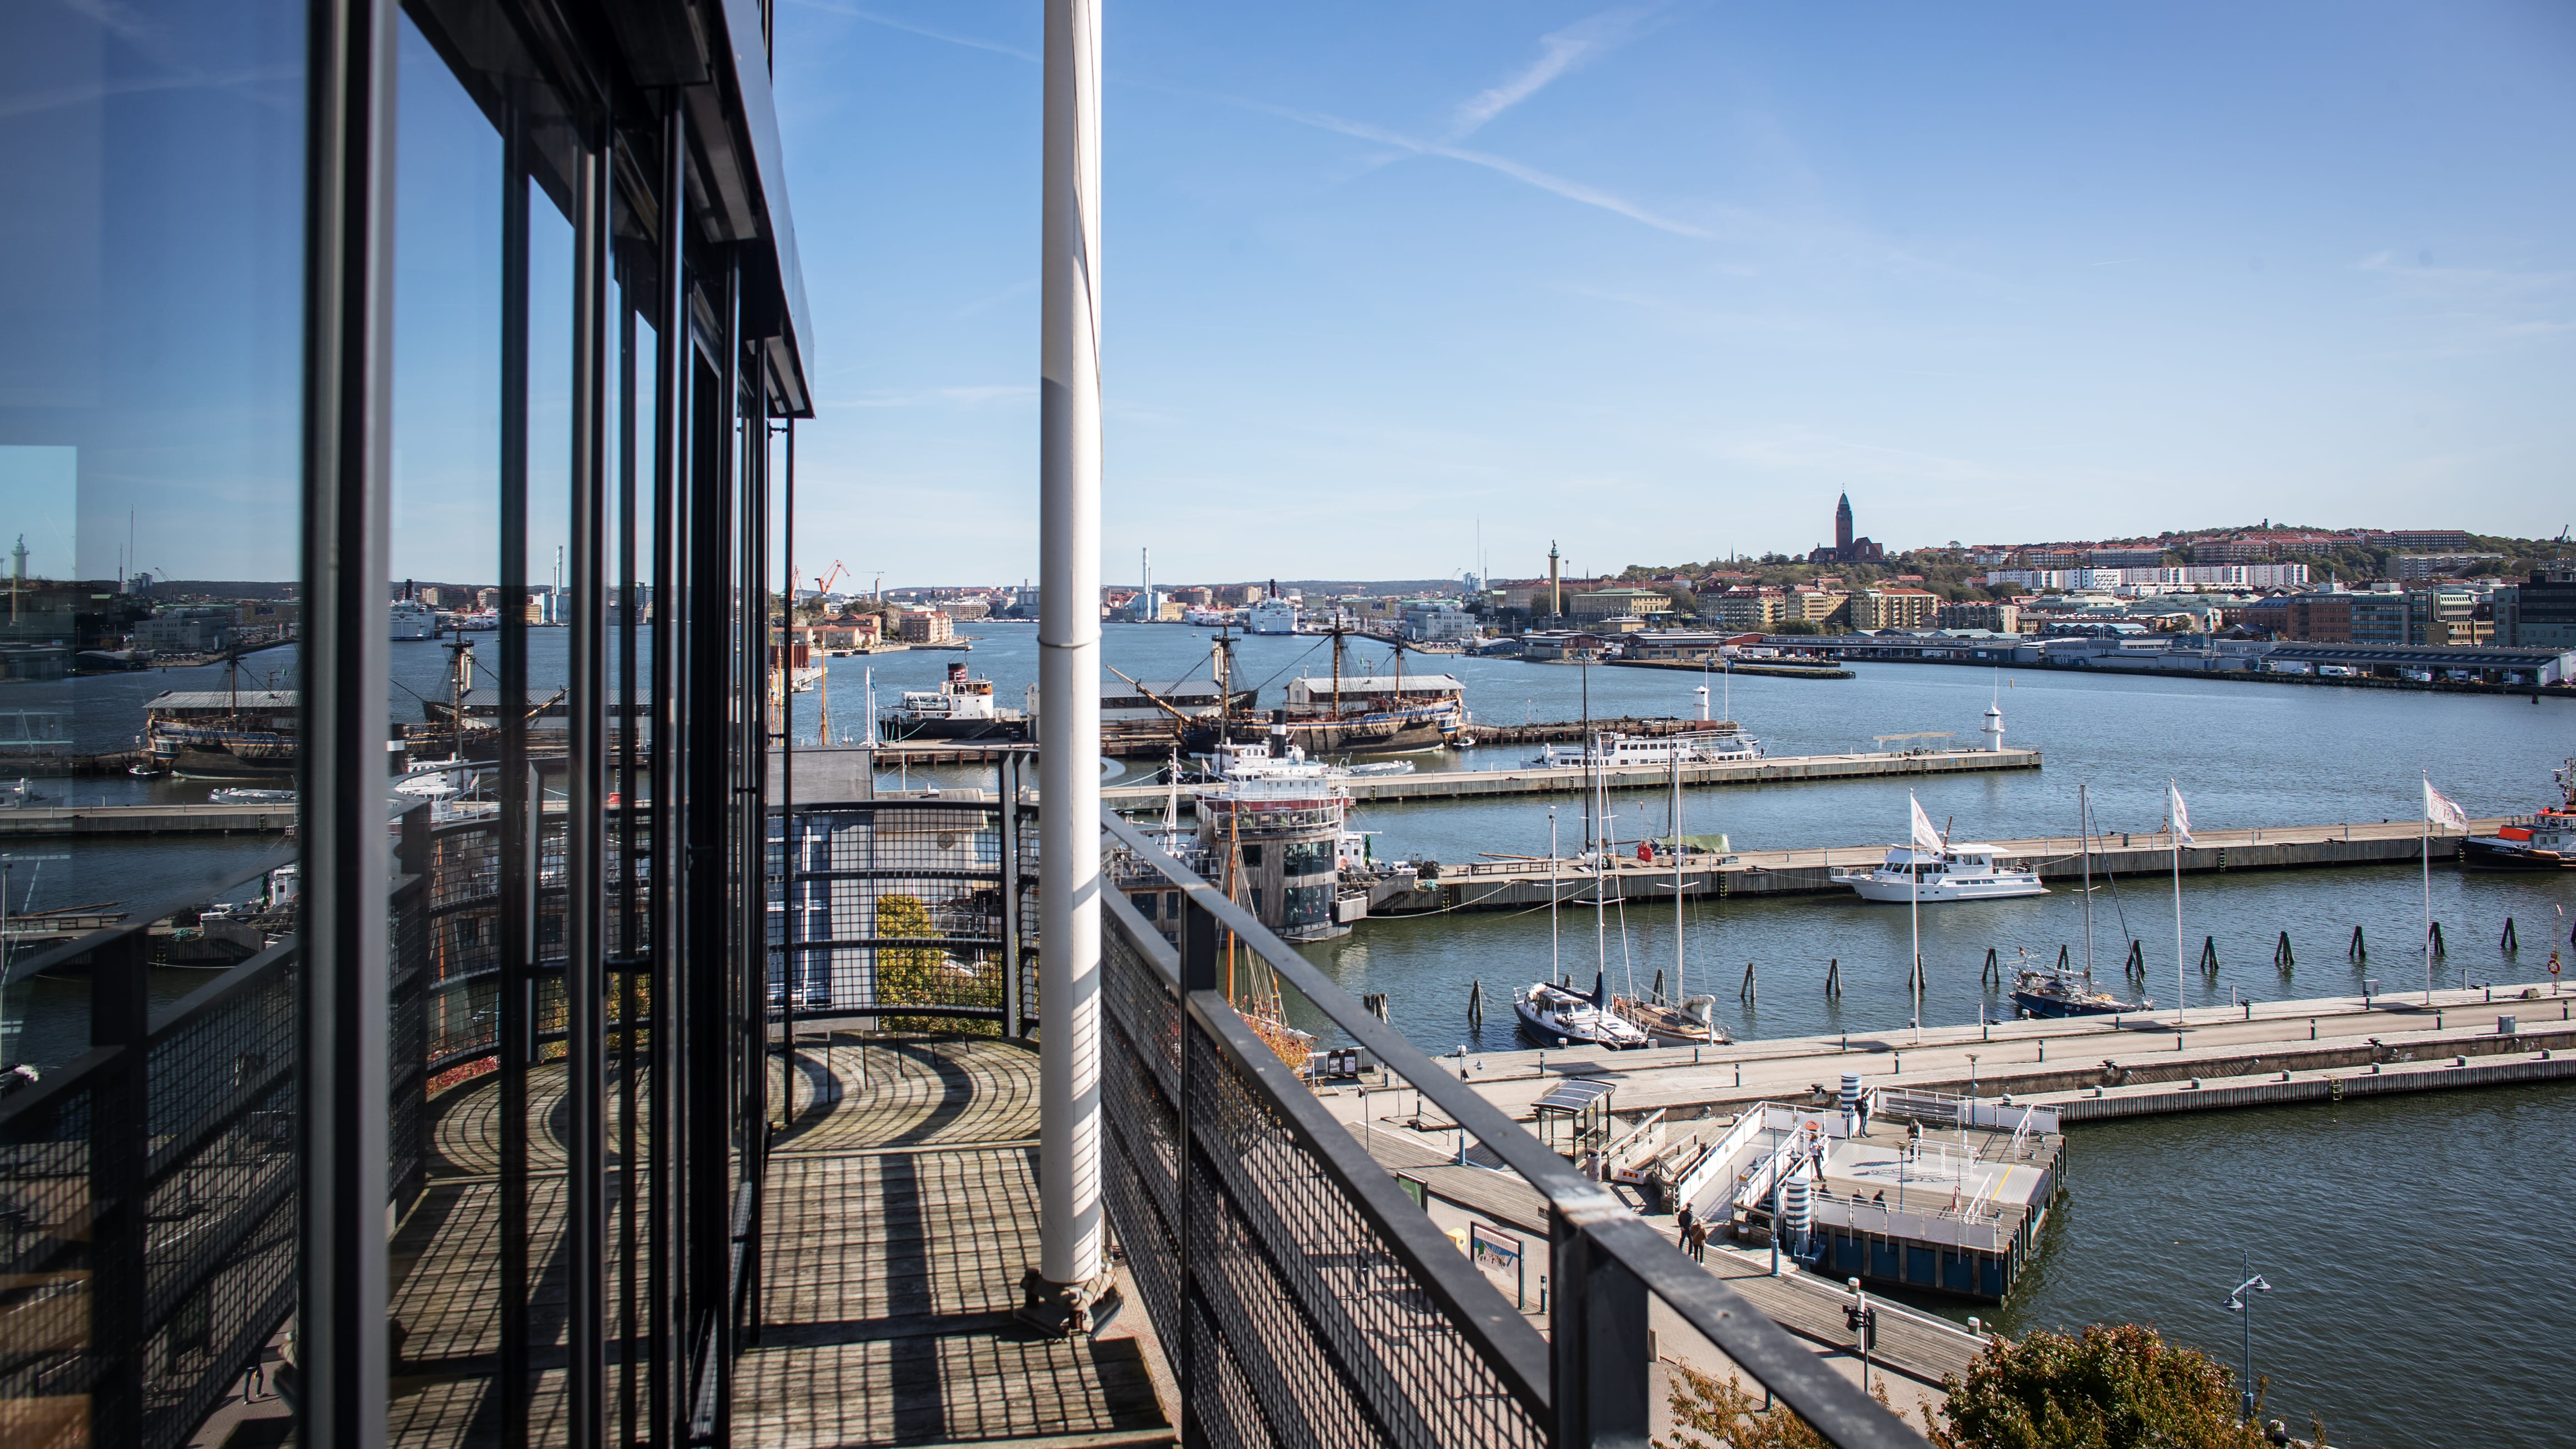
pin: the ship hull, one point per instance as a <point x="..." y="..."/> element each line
<point x="2034" y="1004"/>
<point x="1897" y="892"/>
<point x="896" y="731"/>
<point x="2482" y="854"/>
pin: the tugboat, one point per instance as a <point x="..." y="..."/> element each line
<point x="1552" y="1013"/>
<point x="2053" y="992"/>
<point x="959" y="709"/>
<point x="2543" y="840"/>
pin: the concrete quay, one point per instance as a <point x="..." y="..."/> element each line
<point x="148" y="820"/>
<point x="1519" y="883"/>
<point x="1573" y="779"/>
<point x="2090" y="1068"/>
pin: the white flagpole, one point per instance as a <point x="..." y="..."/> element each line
<point x="1555" y="971"/>
<point x="1914" y="909"/>
<point x="2173" y="827"/>
<point x="2427" y="837"/>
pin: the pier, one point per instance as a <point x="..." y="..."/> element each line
<point x="2096" y="1068"/>
<point x="1520" y="882"/>
<point x="148" y="820"/>
<point x="1574" y="779"/>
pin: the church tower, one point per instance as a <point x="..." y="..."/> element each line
<point x="1843" y="526"/>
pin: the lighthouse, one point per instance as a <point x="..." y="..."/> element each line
<point x="1994" y="727"/>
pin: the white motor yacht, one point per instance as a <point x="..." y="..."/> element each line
<point x="1705" y="747"/>
<point x="1952" y="873"/>
<point x="1555" y="1014"/>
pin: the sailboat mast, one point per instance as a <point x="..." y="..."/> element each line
<point x="2084" y="823"/>
<point x="1679" y="994"/>
<point x="1555" y="969"/>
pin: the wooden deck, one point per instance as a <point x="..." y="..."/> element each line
<point x="903" y="1209"/>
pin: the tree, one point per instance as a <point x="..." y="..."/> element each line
<point x="2114" y="1386"/>
<point x="924" y="975"/>
<point x="1708" y="1414"/>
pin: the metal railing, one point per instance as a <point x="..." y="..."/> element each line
<point x="904" y="908"/>
<point x="1305" y="1299"/>
<point x="148" y="1188"/>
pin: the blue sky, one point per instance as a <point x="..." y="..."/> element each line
<point x="1657" y="282"/>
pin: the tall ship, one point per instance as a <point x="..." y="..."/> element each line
<point x="1375" y="713"/>
<point x="222" y="734"/>
<point x="2542" y="840"/>
<point x="961" y="708"/>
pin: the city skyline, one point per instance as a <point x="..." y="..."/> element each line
<point x="1612" y="275"/>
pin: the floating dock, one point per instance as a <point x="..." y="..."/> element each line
<point x="1516" y="884"/>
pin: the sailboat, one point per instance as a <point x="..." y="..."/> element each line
<point x="1685" y="1020"/>
<point x="1553" y="1011"/>
<point x="2049" y="991"/>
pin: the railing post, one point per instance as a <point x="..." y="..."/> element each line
<point x="1597" y="1329"/>
<point x="1014" y="1011"/>
<point x="119" y="1143"/>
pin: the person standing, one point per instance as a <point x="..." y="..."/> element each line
<point x="1699" y="1242"/>
<point x="1683" y="1220"/>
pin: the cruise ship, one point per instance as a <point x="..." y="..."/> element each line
<point x="1271" y="616"/>
<point x="412" y="619"/>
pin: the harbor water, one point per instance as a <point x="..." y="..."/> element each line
<point x="2428" y="1229"/>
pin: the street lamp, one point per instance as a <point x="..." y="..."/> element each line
<point x="2239" y="1302"/>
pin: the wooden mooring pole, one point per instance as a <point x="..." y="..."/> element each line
<point x="2282" y="956"/>
<point x="2507" y="943"/>
<point x="1834" y="978"/>
<point x="1746" y="992"/>
<point x="1476" y="1004"/>
<point x="2359" y="950"/>
<point x="2209" y="955"/>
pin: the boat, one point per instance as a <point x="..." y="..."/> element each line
<point x="1376" y="713"/>
<point x="2542" y="840"/>
<point x="2047" y="991"/>
<point x="1690" y="1021"/>
<point x="222" y="734"/>
<point x="1700" y="747"/>
<point x="17" y="796"/>
<point x="1273" y="615"/>
<point x="410" y="619"/>
<point x="1568" y="1018"/>
<point x="240" y="795"/>
<point x="1964" y="872"/>
<point x="961" y="708"/>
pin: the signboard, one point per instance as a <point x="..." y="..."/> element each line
<point x="1412" y="1189"/>
<point x="1492" y="1251"/>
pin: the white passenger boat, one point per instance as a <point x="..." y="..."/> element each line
<point x="1701" y="747"/>
<point x="1952" y="873"/>
<point x="1559" y="1016"/>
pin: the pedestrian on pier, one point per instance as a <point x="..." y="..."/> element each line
<point x="1683" y="1219"/>
<point x="1699" y="1242"/>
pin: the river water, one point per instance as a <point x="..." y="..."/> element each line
<point x="2418" y="1247"/>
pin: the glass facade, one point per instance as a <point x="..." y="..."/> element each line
<point x="389" y="405"/>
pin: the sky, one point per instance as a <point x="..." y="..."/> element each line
<point x="1658" y="282"/>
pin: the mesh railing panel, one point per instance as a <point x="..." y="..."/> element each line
<point x="1336" y="1341"/>
<point x="44" y="1194"/>
<point x="892" y="909"/>
<point x="1140" y="1181"/>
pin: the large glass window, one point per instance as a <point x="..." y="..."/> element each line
<point x="152" y="157"/>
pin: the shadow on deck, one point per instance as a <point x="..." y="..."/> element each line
<point x="902" y="1210"/>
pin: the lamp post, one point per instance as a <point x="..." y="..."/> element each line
<point x="2241" y="1302"/>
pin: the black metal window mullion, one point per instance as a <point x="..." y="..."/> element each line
<point x="629" y="945"/>
<point x="585" y="841"/>
<point x="666" y="1327"/>
<point x="518" y="822"/>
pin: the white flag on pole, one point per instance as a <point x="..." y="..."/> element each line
<point x="2442" y="810"/>
<point x="1925" y="837"/>
<point x="2181" y="816"/>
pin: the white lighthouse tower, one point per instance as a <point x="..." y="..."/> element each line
<point x="1995" y="726"/>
